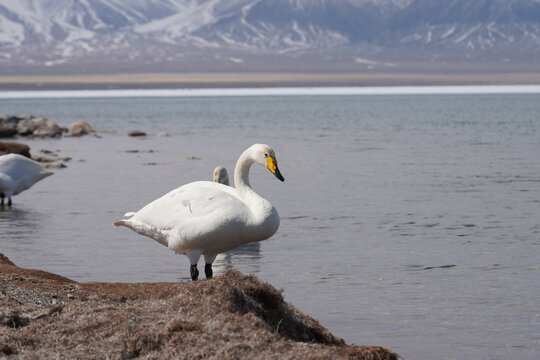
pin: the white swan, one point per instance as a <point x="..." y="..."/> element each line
<point x="18" y="173"/>
<point x="207" y="218"/>
<point x="221" y="176"/>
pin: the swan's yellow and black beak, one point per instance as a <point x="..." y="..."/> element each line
<point x="272" y="166"/>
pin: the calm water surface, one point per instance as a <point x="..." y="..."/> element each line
<point x="407" y="221"/>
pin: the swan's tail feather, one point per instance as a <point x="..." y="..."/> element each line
<point x="144" y="229"/>
<point x="123" y="221"/>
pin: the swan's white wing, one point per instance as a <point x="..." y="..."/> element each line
<point x="188" y="201"/>
<point x="27" y="181"/>
<point x="20" y="172"/>
<point x="17" y="166"/>
<point x="199" y="215"/>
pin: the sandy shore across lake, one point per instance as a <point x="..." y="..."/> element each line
<point x="233" y="316"/>
<point x="235" y="80"/>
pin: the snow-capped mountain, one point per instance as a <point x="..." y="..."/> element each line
<point x="95" y="35"/>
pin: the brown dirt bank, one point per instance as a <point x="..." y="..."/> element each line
<point x="232" y="80"/>
<point x="233" y="316"/>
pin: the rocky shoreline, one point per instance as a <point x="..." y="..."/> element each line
<point x="31" y="126"/>
<point x="28" y="126"/>
<point x="233" y="316"/>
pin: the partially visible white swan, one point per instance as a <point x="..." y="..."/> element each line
<point x="18" y="173"/>
<point x="207" y="218"/>
<point x="221" y="176"/>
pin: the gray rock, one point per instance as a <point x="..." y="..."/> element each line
<point x="28" y="126"/>
<point x="80" y="128"/>
<point x="48" y="129"/>
<point x="9" y="120"/>
<point x="38" y="126"/>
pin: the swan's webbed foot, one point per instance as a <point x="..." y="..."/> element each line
<point x="208" y="270"/>
<point x="194" y="272"/>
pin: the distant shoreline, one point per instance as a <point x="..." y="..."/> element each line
<point x="256" y="80"/>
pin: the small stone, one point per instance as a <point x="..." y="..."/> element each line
<point x="136" y="133"/>
<point x="42" y="159"/>
<point x="54" y="165"/>
<point x="80" y="128"/>
<point x="14" y="148"/>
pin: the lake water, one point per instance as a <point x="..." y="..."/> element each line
<point x="407" y="221"/>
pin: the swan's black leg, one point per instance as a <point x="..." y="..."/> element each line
<point x="208" y="270"/>
<point x="9" y="202"/>
<point x="194" y="272"/>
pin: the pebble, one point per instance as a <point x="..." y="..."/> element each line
<point x="136" y="133"/>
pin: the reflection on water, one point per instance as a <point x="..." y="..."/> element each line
<point x="18" y="223"/>
<point x="245" y="258"/>
<point x="20" y="228"/>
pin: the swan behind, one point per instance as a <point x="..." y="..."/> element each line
<point x="221" y="176"/>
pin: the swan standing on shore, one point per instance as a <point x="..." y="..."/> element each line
<point x="221" y="176"/>
<point x="207" y="218"/>
<point x="18" y="173"/>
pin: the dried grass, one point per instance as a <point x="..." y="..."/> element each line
<point x="233" y="316"/>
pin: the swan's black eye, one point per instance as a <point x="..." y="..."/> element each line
<point x="265" y="155"/>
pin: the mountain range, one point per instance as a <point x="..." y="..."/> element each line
<point x="100" y="36"/>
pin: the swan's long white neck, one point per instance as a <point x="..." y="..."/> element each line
<point x="256" y="203"/>
<point x="262" y="211"/>
<point x="241" y="175"/>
